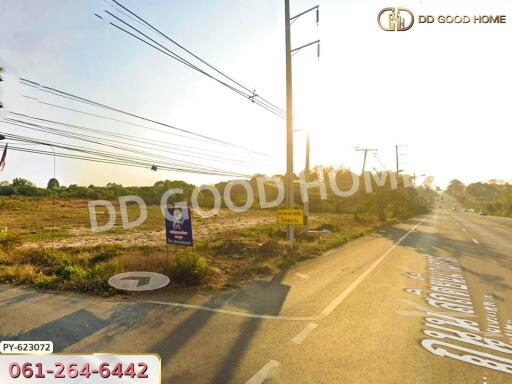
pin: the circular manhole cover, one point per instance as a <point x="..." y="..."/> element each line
<point x="138" y="281"/>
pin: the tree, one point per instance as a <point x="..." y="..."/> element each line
<point x="456" y="188"/>
<point x="53" y="183"/>
<point x="428" y="182"/>
<point x="20" y="182"/>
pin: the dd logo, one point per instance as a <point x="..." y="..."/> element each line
<point x="395" y="19"/>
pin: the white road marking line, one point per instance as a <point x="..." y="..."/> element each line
<point x="304" y="333"/>
<point x="264" y="373"/>
<point x="334" y="303"/>
<point x="476" y="241"/>
<point x="235" y="313"/>
<point x="338" y="300"/>
<point x="302" y="275"/>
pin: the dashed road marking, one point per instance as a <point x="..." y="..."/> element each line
<point x="338" y="300"/>
<point x="476" y="241"/>
<point x="264" y="373"/>
<point x="331" y="307"/>
<point x="302" y="275"/>
<point x="304" y="333"/>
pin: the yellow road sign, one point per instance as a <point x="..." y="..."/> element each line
<point x="290" y="216"/>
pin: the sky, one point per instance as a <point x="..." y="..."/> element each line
<point x="439" y="91"/>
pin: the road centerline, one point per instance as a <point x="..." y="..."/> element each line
<point x="301" y="336"/>
<point x="264" y="373"/>
<point x="338" y="300"/>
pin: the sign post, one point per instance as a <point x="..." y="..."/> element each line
<point x="178" y="226"/>
<point x="290" y="216"/>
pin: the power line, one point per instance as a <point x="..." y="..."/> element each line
<point x="136" y="139"/>
<point x="111" y="158"/>
<point x="197" y="168"/>
<point x="230" y="78"/>
<point x="173" y="55"/>
<point x="85" y="138"/>
<point x="121" y="121"/>
<point x="73" y="97"/>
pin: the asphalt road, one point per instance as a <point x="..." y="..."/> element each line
<point x="427" y="301"/>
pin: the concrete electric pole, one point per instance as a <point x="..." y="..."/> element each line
<point x="289" y="106"/>
<point x="289" y="122"/>
<point x="306" y="176"/>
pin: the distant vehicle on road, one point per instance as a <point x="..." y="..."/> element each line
<point x="483" y="213"/>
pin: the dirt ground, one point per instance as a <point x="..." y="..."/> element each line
<point x="71" y="224"/>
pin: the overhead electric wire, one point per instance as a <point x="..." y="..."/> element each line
<point x="380" y="162"/>
<point x="175" y="56"/>
<point x="117" y="158"/>
<point x="148" y="161"/>
<point x="94" y="140"/>
<point x="111" y="158"/>
<point x="152" y="27"/>
<point x="125" y="158"/>
<point x="121" y="121"/>
<point x="134" y="140"/>
<point x="101" y="160"/>
<point x="61" y="93"/>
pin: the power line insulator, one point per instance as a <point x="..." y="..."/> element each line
<point x="317" y="15"/>
<point x="318" y="50"/>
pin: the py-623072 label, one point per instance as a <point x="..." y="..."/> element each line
<point x="26" y="347"/>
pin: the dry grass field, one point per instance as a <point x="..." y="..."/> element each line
<point x="229" y="248"/>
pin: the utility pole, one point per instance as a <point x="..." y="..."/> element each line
<point x="397" y="154"/>
<point x="397" y="161"/>
<point x="306" y="176"/>
<point x="1" y="79"/>
<point x="365" y="150"/>
<point x="289" y="106"/>
<point x="289" y="122"/>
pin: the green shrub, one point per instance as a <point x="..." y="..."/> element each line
<point x="189" y="269"/>
<point x="70" y="272"/>
<point x="9" y="241"/>
<point x="46" y="258"/>
<point x="104" y="253"/>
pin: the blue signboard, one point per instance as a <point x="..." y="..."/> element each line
<point x="178" y="226"/>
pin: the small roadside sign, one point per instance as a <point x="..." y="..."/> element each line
<point x="178" y="226"/>
<point x="290" y="216"/>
